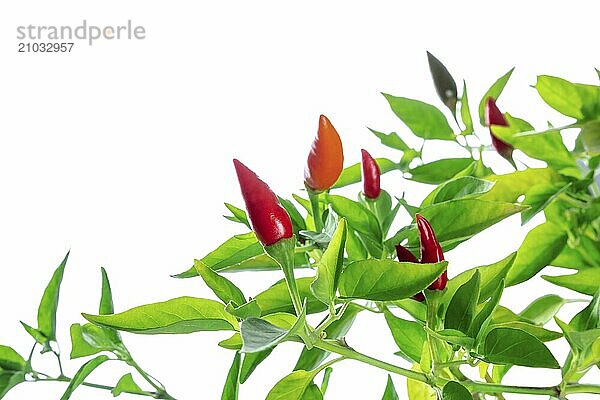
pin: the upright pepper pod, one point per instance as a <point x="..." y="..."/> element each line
<point x="326" y="158"/>
<point x="270" y="221"/>
<point x="371" y="176"/>
<point x="493" y="116"/>
<point x="431" y="251"/>
<point x="404" y="255"/>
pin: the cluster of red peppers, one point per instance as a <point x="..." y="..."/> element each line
<point x="271" y="222"/>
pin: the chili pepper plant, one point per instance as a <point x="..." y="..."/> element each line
<point x="454" y="339"/>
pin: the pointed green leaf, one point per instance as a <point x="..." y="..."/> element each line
<point x="561" y="95"/>
<point x="126" y="384"/>
<point x="543" y="309"/>
<point x="277" y="298"/>
<point x="10" y="360"/>
<point x="589" y="317"/>
<point x="386" y="280"/>
<point x="390" y="391"/>
<point x="424" y="120"/>
<point x="465" y="112"/>
<point x="458" y="188"/>
<point x="513" y="346"/>
<point x="89" y="339"/>
<point x="390" y="140"/>
<point x="260" y="334"/>
<point x="494" y="92"/>
<point x="232" y="382"/>
<point x="439" y="171"/>
<point x="461" y="309"/>
<point x="455" y="391"/>
<point x="330" y="266"/>
<point x="408" y="335"/>
<point x="292" y="386"/>
<point x="586" y="281"/>
<point x="10" y="379"/>
<point x="82" y="374"/>
<point x="223" y="288"/>
<point x="180" y="315"/>
<point x="239" y="215"/>
<point x="49" y="303"/>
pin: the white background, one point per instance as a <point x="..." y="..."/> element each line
<point x="122" y="151"/>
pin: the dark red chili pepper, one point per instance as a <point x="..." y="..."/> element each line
<point x="371" y="176"/>
<point x="326" y="158"/>
<point x="431" y="251"/>
<point x="404" y="255"/>
<point x="269" y="219"/>
<point x="493" y="116"/>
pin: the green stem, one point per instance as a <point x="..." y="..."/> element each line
<point x="59" y="363"/>
<point x="159" y="387"/>
<point x="582" y="388"/>
<point x="334" y="347"/>
<point x="333" y="316"/>
<point x="98" y="386"/>
<point x="283" y="253"/>
<point x="316" y="209"/>
<point x="325" y="383"/>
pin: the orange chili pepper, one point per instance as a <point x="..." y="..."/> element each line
<point x="326" y="158"/>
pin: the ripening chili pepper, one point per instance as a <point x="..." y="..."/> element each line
<point x="326" y="158"/>
<point x="493" y="116"/>
<point x="431" y="251"/>
<point x="270" y="221"/>
<point x="404" y="255"/>
<point x="371" y="176"/>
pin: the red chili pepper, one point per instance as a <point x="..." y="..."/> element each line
<point x="493" y="116"/>
<point x="326" y="158"/>
<point x="269" y="219"/>
<point x="431" y="251"/>
<point x="371" y="176"/>
<point x="404" y="255"/>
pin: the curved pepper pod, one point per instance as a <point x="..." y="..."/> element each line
<point x="431" y="251"/>
<point x="326" y="158"/>
<point x="371" y="176"/>
<point x="493" y="116"/>
<point x="406" y="256"/>
<point x="270" y="221"/>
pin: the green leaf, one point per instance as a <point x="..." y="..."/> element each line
<point x="239" y="215"/>
<point x="247" y="310"/>
<point x="542" y="334"/>
<point x="509" y="187"/>
<point x="486" y="310"/>
<point x="390" y="390"/>
<point x="180" y="315"/>
<point x="253" y="360"/>
<point x="423" y="119"/>
<point x="548" y="147"/>
<point x="539" y="197"/>
<point x="385" y="280"/>
<point x="277" y="298"/>
<point x="233" y="251"/>
<point x="107" y="307"/>
<point x="352" y="174"/>
<point x="589" y="317"/>
<point x="408" y="335"/>
<point x="311" y="359"/>
<point x="453" y="336"/>
<point x="10" y="379"/>
<point x="461" y="309"/>
<point x="456" y="221"/>
<point x="541" y="245"/>
<point x="418" y="390"/>
<point x="455" y="391"/>
<point x="465" y="112"/>
<point x="391" y="140"/>
<point x="312" y="392"/>
<point x="82" y="374"/>
<point x="90" y="339"/>
<point x="292" y="386"/>
<point x="49" y="303"/>
<point x="494" y="92"/>
<point x="586" y="281"/>
<point x="439" y="171"/>
<point x="223" y="288"/>
<point x="414" y="308"/>
<point x="259" y="334"/>
<point x="513" y="346"/>
<point x="543" y="309"/>
<point x="10" y="360"/>
<point x="445" y="86"/>
<point x="232" y="382"/>
<point x="37" y="336"/>
<point x="561" y="95"/>
<point x="330" y="266"/>
<point x="491" y="277"/>
<point x="126" y="385"/>
<point x="298" y="221"/>
<point x="458" y="188"/>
